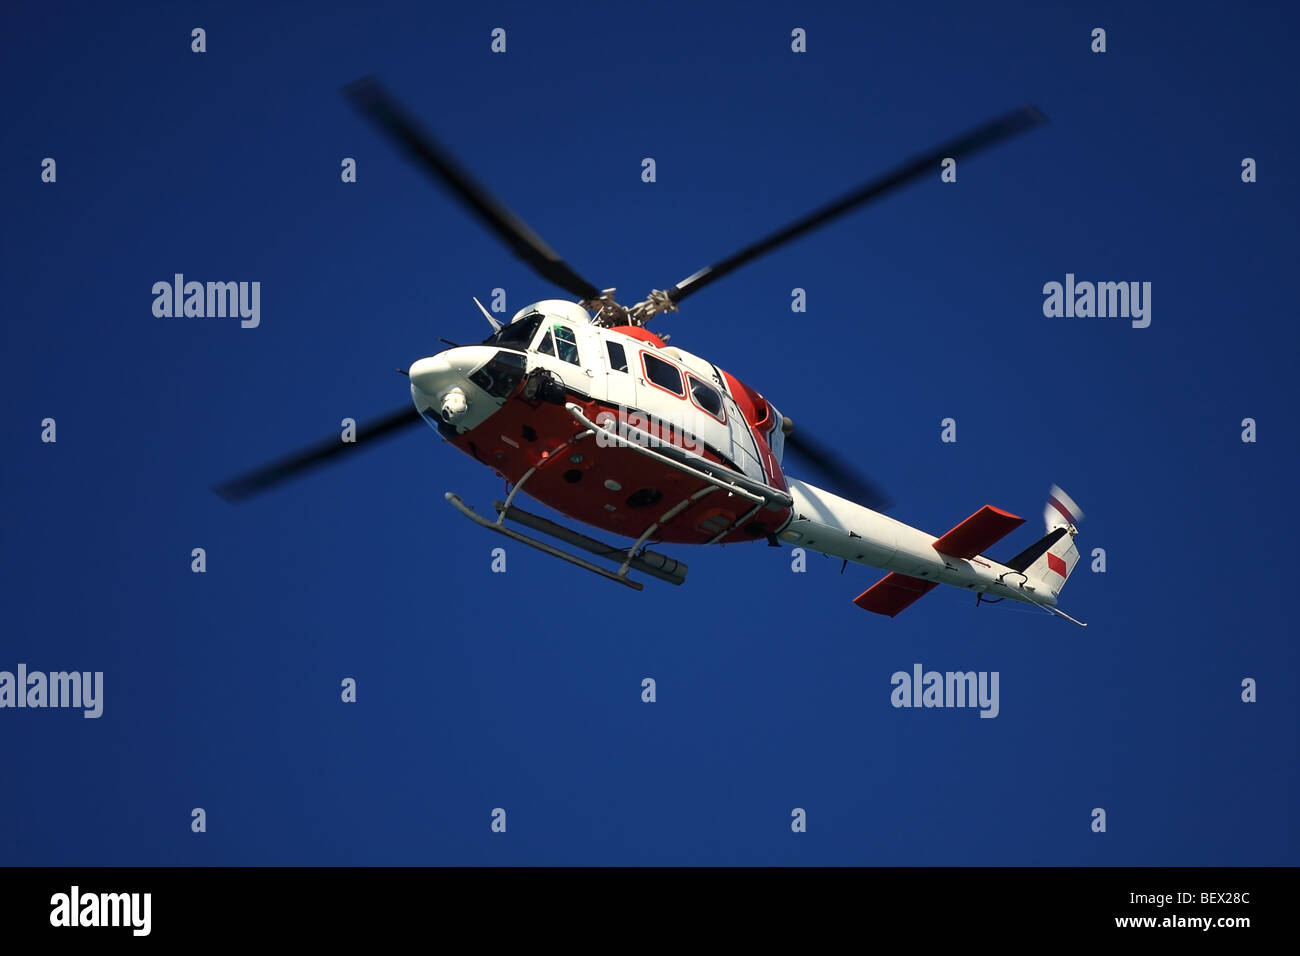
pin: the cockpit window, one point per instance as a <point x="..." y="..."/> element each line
<point x="566" y="344"/>
<point x="516" y="335"/>
<point x="560" y="341"/>
<point x="501" y="375"/>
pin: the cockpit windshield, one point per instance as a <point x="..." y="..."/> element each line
<point x="516" y="335"/>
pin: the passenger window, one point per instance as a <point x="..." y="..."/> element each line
<point x="663" y="374"/>
<point x="617" y="357"/>
<point x="706" y="396"/>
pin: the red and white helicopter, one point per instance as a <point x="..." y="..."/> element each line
<point x="582" y="408"/>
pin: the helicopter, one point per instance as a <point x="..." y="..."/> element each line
<point x="579" y="406"/>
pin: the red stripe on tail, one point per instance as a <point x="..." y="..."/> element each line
<point x="1056" y="564"/>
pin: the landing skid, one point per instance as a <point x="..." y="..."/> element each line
<point x="628" y="558"/>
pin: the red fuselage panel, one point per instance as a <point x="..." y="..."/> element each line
<point x="613" y="488"/>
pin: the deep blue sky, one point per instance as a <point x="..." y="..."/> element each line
<point x="522" y="690"/>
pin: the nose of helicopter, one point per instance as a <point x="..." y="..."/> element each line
<point x="440" y="383"/>
<point x="431" y="376"/>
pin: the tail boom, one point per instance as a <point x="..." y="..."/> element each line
<point x="918" y="561"/>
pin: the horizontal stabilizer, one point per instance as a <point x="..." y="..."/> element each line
<point x="893" y="593"/>
<point x="973" y="536"/>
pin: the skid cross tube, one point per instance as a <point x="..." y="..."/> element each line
<point x="550" y="456"/>
<point x="666" y="517"/>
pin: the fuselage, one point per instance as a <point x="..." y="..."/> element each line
<point x="517" y="404"/>
<point x="504" y="403"/>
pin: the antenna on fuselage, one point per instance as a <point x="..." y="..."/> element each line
<point x="496" y="326"/>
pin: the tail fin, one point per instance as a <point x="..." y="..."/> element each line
<point x="1047" y="563"/>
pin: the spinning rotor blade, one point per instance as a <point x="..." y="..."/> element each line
<point x="383" y="110"/>
<point x="322" y="453"/>
<point x="1004" y="127"/>
<point x="845" y="480"/>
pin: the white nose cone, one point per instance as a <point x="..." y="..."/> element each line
<point x="442" y="390"/>
<point x="432" y="376"/>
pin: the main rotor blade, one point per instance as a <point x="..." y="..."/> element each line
<point x="383" y="110"/>
<point x="1004" y="127"/>
<point x="845" y="480"/>
<point x="322" y="453"/>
